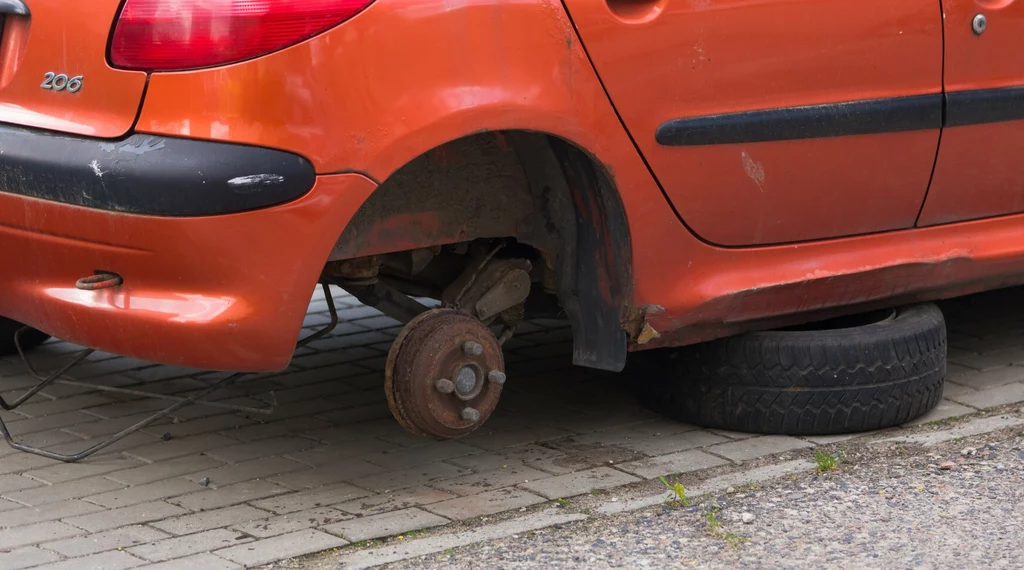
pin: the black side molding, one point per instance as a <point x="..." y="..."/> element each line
<point x="977" y="107"/>
<point x="147" y="174"/>
<point x="917" y="112"/>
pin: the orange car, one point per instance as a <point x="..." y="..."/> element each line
<point x="176" y="176"/>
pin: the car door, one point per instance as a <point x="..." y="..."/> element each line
<point x="978" y="171"/>
<point x="772" y="121"/>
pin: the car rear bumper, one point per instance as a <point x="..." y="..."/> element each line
<point x="224" y="292"/>
<point x="149" y="174"/>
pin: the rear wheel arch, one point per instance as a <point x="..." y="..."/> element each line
<point x="543" y="191"/>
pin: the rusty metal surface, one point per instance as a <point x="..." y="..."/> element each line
<point x="444" y="374"/>
<point x="100" y="280"/>
<point x="490" y="286"/>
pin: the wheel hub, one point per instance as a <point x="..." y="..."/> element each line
<point x="442" y="374"/>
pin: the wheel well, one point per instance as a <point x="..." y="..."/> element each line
<point x="540" y="190"/>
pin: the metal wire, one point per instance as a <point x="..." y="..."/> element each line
<point x="179" y="401"/>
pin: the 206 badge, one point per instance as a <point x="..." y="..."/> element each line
<point x="61" y="82"/>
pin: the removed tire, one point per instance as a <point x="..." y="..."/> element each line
<point x="29" y="339"/>
<point x="847" y="375"/>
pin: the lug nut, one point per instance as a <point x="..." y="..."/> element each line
<point x="472" y="348"/>
<point x="470" y="415"/>
<point x="496" y="376"/>
<point x="444" y="386"/>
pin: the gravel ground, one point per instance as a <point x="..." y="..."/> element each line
<point x="959" y="505"/>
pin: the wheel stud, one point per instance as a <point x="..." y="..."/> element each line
<point x="445" y="386"/>
<point x="496" y="376"/>
<point x="472" y="348"/>
<point x="470" y="415"/>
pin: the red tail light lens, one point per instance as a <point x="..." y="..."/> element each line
<point x="166" y="35"/>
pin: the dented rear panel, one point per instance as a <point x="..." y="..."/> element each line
<point x="54" y="72"/>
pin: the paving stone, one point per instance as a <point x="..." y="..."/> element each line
<point x="514" y="437"/>
<point x="343" y="470"/>
<point x="259" y="468"/>
<point x="387" y="524"/>
<point x="96" y="465"/>
<point x="144" y="493"/>
<point x="129" y="408"/>
<point x="51" y="421"/>
<point x="974" y="426"/>
<point x="107" y="367"/>
<point x="36" y="533"/>
<point x="274" y="446"/>
<point x="16" y="462"/>
<point x="35" y="409"/>
<point x="358" y="339"/>
<point x="406" y="458"/>
<point x="952" y="390"/>
<point x="322" y="359"/>
<point x="498" y="459"/>
<point x="161" y="450"/>
<point x="487" y="503"/>
<point x="338" y="372"/>
<point x="989" y="360"/>
<point x="50" y="439"/>
<point x="403" y="499"/>
<point x="330" y="389"/>
<point x="579" y="483"/>
<point x="229" y="495"/>
<point x="189" y="544"/>
<point x="410" y="477"/>
<point x="158" y="373"/>
<point x="355" y="446"/>
<point x="6" y="505"/>
<point x="375" y="411"/>
<point x="304" y="500"/>
<point x="96" y="427"/>
<point x="63" y="491"/>
<point x="659" y="445"/>
<point x="134" y="440"/>
<point x="112" y="560"/>
<point x="207" y="520"/>
<point x="992" y="397"/>
<point x="840" y="437"/>
<point x="47" y="512"/>
<point x="758" y="447"/>
<point x="270" y="429"/>
<point x="198" y="426"/>
<point x="681" y="462"/>
<point x="10" y="483"/>
<point x="109" y="540"/>
<point x="987" y="379"/>
<point x="280" y="547"/>
<point x="135" y="514"/>
<point x="489" y="480"/>
<point x="293" y="521"/>
<point x="166" y="469"/>
<point x="733" y="434"/>
<point x="199" y="412"/>
<point x="944" y="410"/>
<point x="204" y="561"/>
<point x="26" y="557"/>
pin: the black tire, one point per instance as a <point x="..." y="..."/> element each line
<point x="805" y="381"/>
<point x="29" y="340"/>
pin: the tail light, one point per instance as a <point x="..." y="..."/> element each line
<point x="174" y="35"/>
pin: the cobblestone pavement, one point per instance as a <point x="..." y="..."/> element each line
<point x="213" y="488"/>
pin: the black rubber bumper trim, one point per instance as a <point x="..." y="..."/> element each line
<point x="917" y="112"/>
<point x="982" y="106"/>
<point x="148" y="174"/>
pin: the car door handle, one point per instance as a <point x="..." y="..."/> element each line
<point x="14" y="7"/>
